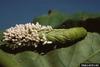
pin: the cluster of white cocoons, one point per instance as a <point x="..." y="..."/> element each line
<point x="26" y="35"/>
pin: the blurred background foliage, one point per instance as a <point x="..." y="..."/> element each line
<point x="90" y="21"/>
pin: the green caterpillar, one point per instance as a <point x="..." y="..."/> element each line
<point x="63" y="35"/>
<point x="54" y="35"/>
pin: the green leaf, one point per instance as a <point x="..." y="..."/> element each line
<point x="8" y="60"/>
<point x="31" y="59"/>
<point x="89" y="21"/>
<point x="84" y="16"/>
<point x="54" y="19"/>
<point x="84" y="51"/>
<point x="81" y="52"/>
